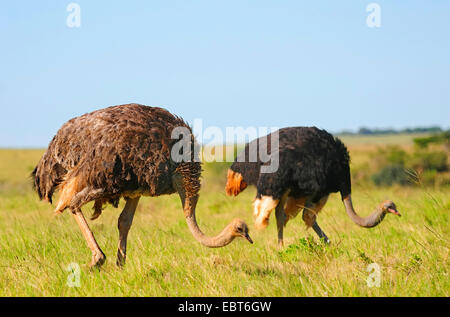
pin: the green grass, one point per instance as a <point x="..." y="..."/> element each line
<point x="164" y="259"/>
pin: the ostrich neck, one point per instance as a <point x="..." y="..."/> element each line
<point x="368" y="222"/>
<point x="189" y="203"/>
<point x="221" y="240"/>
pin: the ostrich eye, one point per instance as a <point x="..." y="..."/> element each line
<point x="389" y="205"/>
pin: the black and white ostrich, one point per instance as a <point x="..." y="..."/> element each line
<point x="122" y="152"/>
<point x="312" y="164"/>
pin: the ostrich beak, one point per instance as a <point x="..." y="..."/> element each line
<point x="246" y="236"/>
<point x="394" y="211"/>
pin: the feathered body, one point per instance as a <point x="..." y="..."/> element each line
<point x="121" y="150"/>
<point x="311" y="163"/>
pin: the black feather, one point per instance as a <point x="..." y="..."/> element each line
<point x="311" y="163"/>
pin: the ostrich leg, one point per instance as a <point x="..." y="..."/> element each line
<point x="293" y="207"/>
<point x="98" y="257"/>
<point x="319" y="232"/>
<point x="124" y="225"/>
<point x="281" y="221"/>
<point x="310" y="215"/>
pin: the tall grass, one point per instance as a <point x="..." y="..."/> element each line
<point x="164" y="259"/>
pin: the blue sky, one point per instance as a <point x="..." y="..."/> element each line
<point x="230" y="63"/>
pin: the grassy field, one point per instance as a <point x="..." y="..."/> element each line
<point x="380" y="139"/>
<point x="164" y="259"/>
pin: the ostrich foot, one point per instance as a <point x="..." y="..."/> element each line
<point x="98" y="259"/>
<point x="280" y="243"/>
<point x="121" y="258"/>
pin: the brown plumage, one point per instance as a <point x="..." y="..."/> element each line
<point x="122" y="151"/>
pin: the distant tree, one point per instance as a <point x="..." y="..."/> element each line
<point x="363" y="130"/>
<point x="369" y="131"/>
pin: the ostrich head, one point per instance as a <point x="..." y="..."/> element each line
<point x="388" y="206"/>
<point x="238" y="228"/>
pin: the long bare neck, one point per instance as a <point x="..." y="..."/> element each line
<point x="189" y="197"/>
<point x="368" y="222"/>
<point x="221" y="240"/>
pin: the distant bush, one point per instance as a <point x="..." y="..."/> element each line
<point x="424" y="142"/>
<point x="429" y="160"/>
<point x="390" y="155"/>
<point x="390" y="175"/>
<point x="396" y="156"/>
<point x="441" y="138"/>
<point x="423" y="166"/>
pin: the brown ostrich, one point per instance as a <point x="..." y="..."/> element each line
<point x="123" y="151"/>
<point x="312" y="165"/>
